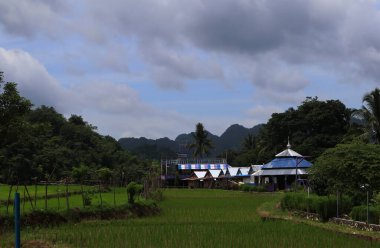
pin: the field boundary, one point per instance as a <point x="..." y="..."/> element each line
<point x="271" y="211"/>
<point x="42" y="218"/>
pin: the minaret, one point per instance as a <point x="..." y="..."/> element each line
<point x="288" y="145"/>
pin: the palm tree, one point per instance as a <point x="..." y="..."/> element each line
<point x="370" y="113"/>
<point x="202" y="144"/>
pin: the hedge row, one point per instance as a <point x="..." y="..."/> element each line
<point x="251" y="188"/>
<point x="324" y="206"/>
<point x="53" y="218"/>
<point x="359" y="213"/>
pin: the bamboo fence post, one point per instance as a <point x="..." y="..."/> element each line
<point x="30" y="199"/>
<point x="46" y="193"/>
<point x="100" y="193"/>
<point x="35" y="194"/>
<point x="23" y="202"/>
<point x="9" y="198"/>
<point x="67" y="197"/>
<point x="58" y="195"/>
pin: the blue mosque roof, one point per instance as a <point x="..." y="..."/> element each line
<point x="288" y="159"/>
<point x="287" y="162"/>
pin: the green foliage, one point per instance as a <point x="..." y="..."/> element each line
<point x="202" y="144"/>
<point x="370" y="113"/>
<point x="104" y="174"/>
<point x="346" y="168"/>
<point x="87" y="198"/>
<point x="312" y="128"/>
<point x="324" y="206"/>
<point x="80" y="173"/>
<point x="41" y="143"/>
<point x="133" y="189"/>
<point x="252" y="188"/>
<point x="359" y="213"/>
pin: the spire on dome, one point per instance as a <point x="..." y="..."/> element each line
<point x="288" y="145"/>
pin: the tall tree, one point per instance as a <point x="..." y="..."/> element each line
<point x="370" y="113"/>
<point x="202" y="144"/>
<point x="249" y="142"/>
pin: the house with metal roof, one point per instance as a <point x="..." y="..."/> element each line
<point x="287" y="167"/>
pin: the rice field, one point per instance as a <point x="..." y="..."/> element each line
<point x="196" y="218"/>
<point x="116" y="196"/>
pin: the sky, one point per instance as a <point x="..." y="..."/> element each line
<point x="155" y="68"/>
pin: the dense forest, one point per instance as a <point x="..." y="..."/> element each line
<point x="39" y="144"/>
<point x="311" y="128"/>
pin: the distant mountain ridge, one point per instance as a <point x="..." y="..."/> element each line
<point x="231" y="139"/>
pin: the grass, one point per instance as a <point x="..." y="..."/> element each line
<point x="196" y="218"/>
<point x="59" y="203"/>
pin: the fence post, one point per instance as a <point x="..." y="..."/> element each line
<point x="17" y="220"/>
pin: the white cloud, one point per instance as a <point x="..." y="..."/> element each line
<point x="32" y="78"/>
<point x="115" y="109"/>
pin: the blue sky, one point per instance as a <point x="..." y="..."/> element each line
<point x="155" y="68"/>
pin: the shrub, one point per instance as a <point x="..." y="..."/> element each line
<point x="324" y="206"/>
<point x="133" y="189"/>
<point x="87" y="198"/>
<point x="156" y="195"/>
<point x="359" y="213"/>
<point x="252" y="188"/>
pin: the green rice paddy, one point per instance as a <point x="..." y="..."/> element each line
<point x="116" y="196"/>
<point x="196" y="218"/>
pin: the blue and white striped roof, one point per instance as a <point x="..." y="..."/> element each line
<point x="203" y="166"/>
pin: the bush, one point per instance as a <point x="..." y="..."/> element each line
<point x="156" y="195"/>
<point x="324" y="206"/>
<point x="359" y="213"/>
<point x="133" y="189"/>
<point x="87" y="198"/>
<point x="251" y="188"/>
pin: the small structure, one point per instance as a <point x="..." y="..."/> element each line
<point x="284" y="170"/>
<point x="196" y="179"/>
<point x="211" y="179"/>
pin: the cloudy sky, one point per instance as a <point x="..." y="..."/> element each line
<point x="155" y="68"/>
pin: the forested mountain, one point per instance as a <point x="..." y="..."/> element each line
<point x="231" y="139"/>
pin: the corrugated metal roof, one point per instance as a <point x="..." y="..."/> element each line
<point x="256" y="167"/>
<point x="202" y="166"/>
<point x="244" y="170"/>
<point x="279" y="172"/>
<point x="200" y="174"/>
<point x="233" y="171"/>
<point x="289" y="153"/>
<point x="287" y="162"/>
<point x="215" y="173"/>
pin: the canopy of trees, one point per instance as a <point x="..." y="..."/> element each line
<point x="347" y="168"/>
<point x="312" y="128"/>
<point x="40" y="143"/>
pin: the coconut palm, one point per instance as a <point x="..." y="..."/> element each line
<point x="370" y="113"/>
<point x="202" y="144"/>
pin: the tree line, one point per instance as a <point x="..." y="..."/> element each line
<point x="40" y="144"/>
<point x="342" y="143"/>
